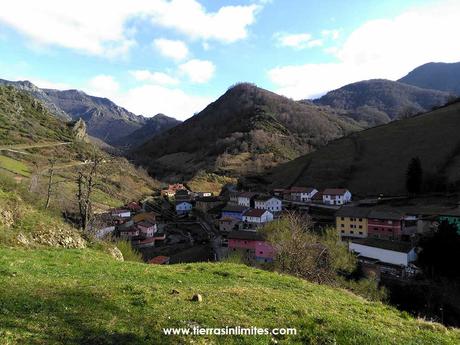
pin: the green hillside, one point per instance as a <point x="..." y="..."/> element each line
<point x="31" y="136"/>
<point x="375" y="160"/>
<point x="378" y="101"/>
<point x="84" y="297"/>
<point x="247" y="130"/>
<point x="435" y="75"/>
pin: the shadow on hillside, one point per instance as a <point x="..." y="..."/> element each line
<point x="73" y="316"/>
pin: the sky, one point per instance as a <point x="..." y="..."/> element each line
<point x="177" y="56"/>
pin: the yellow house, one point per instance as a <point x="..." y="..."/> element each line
<point x="352" y="221"/>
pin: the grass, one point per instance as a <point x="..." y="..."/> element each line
<point x="128" y="252"/>
<point x="208" y="182"/>
<point x="375" y="161"/>
<point x="14" y="166"/>
<point x="82" y="296"/>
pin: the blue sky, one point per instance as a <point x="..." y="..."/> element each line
<point x="176" y="56"/>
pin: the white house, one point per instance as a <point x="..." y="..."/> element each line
<point x="183" y="207"/>
<point x="336" y="196"/>
<point x="122" y="213"/>
<point x="302" y="194"/>
<point x="268" y="203"/>
<point x="202" y="194"/>
<point x="257" y="216"/>
<point x="245" y="198"/>
<point x="388" y="252"/>
<point x="146" y="228"/>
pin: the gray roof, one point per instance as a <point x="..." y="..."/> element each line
<point x="209" y="199"/>
<point x="234" y="208"/>
<point x="245" y="235"/>
<point x="397" y="246"/>
<point x="265" y="197"/>
<point x="356" y="212"/>
<point x="386" y="214"/>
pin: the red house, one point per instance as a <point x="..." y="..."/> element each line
<point x="264" y="252"/>
<point x="252" y="244"/>
<point x="385" y="224"/>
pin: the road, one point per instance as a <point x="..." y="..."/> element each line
<point x="32" y="146"/>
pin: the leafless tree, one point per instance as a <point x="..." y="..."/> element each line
<point x="50" y="182"/>
<point x="86" y="183"/>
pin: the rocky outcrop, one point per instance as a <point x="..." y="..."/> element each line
<point x="79" y="130"/>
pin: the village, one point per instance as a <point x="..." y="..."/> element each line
<point x="180" y="225"/>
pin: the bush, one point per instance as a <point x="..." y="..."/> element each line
<point x="366" y="287"/>
<point x="319" y="257"/>
<point x="129" y="253"/>
<point x="304" y="253"/>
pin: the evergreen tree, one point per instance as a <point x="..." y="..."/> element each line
<point x="414" y="176"/>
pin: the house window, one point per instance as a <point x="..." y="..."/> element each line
<point x="342" y="218"/>
<point x="343" y="231"/>
<point x="360" y="226"/>
<point x="342" y="225"/>
<point x="360" y="219"/>
<point x="261" y="252"/>
<point x="351" y="232"/>
<point x="360" y="232"/>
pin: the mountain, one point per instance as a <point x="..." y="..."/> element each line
<point x="24" y="119"/>
<point x="375" y="160"/>
<point x="104" y="119"/>
<point x="437" y="76"/>
<point x="378" y="101"/>
<point x="31" y="136"/>
<point x="39" y="94"/>
<point x="245" y="131"/>
<point x="152" y="127"/>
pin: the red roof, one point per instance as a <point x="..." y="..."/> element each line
<point x="134" y="206"/>
<point x="159" y="260"/>
<point x="255" y="213"/>
<point x="302" y="189"/>
<point x="335" y="191"/>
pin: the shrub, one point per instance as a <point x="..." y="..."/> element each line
<point x="129" y="253"/>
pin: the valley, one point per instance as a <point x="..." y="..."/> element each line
<point x="188" y="209"/>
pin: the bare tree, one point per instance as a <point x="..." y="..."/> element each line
<point x="86" y="183"/>
<point x="50" y="182"/>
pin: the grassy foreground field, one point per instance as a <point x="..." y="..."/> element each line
<point x="82" y="296"/>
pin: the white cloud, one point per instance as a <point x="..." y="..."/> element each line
<point x="100" y="28"/>
<point x="153" y="99"/>
<point x="386" y="48"/>
<point x="297" y="41"/>
<point x="148" y="99"/>
<point x="228" y="24"/>
<point x="154" y="77"/>
<point x="103" y="86"/>
<point x="175" y="49"/>
<point x="198" y="71"/>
